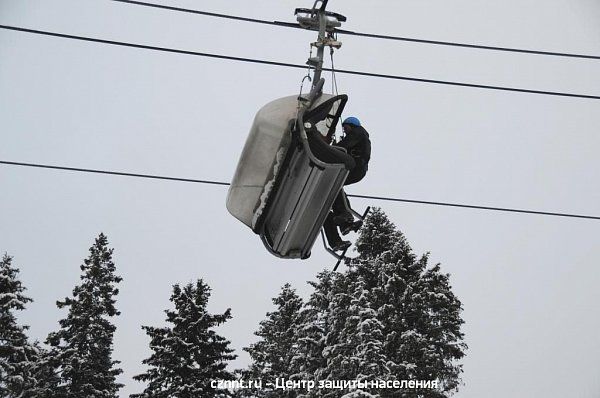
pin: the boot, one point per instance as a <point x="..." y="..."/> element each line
<point x="355" y="226"/>
<point x="341" y="245"/>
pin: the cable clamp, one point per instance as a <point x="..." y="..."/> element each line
<point x="327" y="42"/>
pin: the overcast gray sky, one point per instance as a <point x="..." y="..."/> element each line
<point x="529" y="284"/>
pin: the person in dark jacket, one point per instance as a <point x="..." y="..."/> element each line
<point x="357" y="144"/>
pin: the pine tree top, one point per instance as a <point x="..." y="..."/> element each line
<point x="378" y="235"/>
<point x="188" y="353"/>
<point x="98" y="288"/>
<point x="11" y="288"/>
<point x="82" y="348"/>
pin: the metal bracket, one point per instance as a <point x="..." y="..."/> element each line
<point x="327" y="42"/>
<point x="325" y="23"/>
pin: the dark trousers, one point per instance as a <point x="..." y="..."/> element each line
<point x="341" y="205"/>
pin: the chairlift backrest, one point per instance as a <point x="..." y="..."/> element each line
<point x="282" y="189"/>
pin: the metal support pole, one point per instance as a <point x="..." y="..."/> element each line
<point x="325" y="23"/>
<point x="320" y="45"/>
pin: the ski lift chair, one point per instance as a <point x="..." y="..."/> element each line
<point x="287" y="179"/>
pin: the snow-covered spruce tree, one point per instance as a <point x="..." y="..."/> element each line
<point x="81" y="350"/>
<point x="309" y="362"/>
<point x="368" y="340"/>
<point x="419" y="314"/>
<point x="188" y="354"/>
<point x="17" y="356"/>
<point x="272" y="354"/>
<point x="47" y="378"/>
<point x="340" y="337"/>
<point x="353" y="339"/>
<point x="339" y="364"/>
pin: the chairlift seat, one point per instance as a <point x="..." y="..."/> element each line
<point x="282" y="189"/>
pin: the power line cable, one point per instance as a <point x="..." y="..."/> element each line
<point x="382" y="198"/>
<point x="297" y="66"/>
<point x="198" y="12"/>
<point x="117" y="173"/>
<point x="361" y="34"/>
<point x="465" y="45"/>
<point x="544" y="213"/>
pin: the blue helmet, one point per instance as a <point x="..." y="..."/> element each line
<point x="351" y="120"/>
